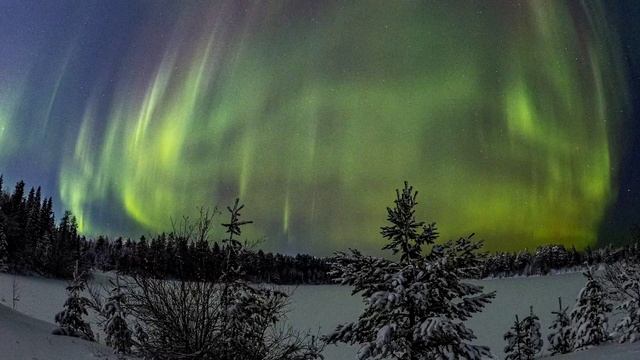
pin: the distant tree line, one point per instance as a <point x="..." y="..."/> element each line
<point x="176" y="256"/>
<point x="30" y="240"/>
<point x="550" y="258"/>
<point x="171" y="256"/>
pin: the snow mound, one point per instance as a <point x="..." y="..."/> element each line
<point x="605" y="352"/>
<point x="23" y="337"/>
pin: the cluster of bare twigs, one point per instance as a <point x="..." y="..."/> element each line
<point x="224" y="319"/>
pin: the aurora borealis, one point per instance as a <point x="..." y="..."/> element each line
<point x="512" y="118"/>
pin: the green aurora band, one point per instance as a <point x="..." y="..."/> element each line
<point x="500" y="113"/>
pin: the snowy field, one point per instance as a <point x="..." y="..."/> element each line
<point x="23" y="337"/>
<point x="327" y="306"/>
<point x="321" y="308"/>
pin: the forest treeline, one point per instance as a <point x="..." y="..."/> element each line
<point x="557" y="258"/>
<point x="173" y="256"/>
<point x="32" y="241"/>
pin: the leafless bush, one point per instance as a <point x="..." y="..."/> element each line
<point x="203" y="320"/>
<point x="180" y="318"/>
<point x="222" y="320"/>
<point x="622" y="281"/>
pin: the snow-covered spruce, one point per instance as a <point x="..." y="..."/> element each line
<point x="628" y="328"/>
<point x="561" y="339"/>
<point x="622" y="282"/>
<point x="415" y="308"/>
<point x="532" y="329"/>
<point x="589" y="315"/>
<point x="70" y="320"/>
<point x="118" y="334"/>
<point x="524" y="340"/>
<point x="515" y="341"/>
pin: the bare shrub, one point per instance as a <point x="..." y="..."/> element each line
<point x="223" y="320"/>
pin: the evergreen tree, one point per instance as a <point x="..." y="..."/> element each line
<point x="515" y="337"/>
<point x="4" y="254"/>
<point x="628" y="329"/>
<point x="158" y="256"/>
<point x="118" y="334"/>
<point x="63" y="249"/>
<point x="524" y="340"/>
<point x="17" y="198"/>
<point x="415" y="308"/>
<point x="47" y="221"/>
<point x="31" y="229"/>
<point x="589" y="315"/>
<point x="70" y="320"/>
<point x="14" y="226"/>
<point x="561" y="339"/>
<point x="531" y="326"/>
<point x="233" y="248"/>
<point x="622" y="281"/>
<point x="141" y="255"/>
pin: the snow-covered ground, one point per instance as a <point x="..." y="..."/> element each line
<point x="605" y="352"/>
<point x="24" y="337"/>
<point x="317" y="308"/>
<point x="326" y="306"/>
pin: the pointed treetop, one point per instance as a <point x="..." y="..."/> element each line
<point x="406" y="235"/>
<point x="234" y="224"/>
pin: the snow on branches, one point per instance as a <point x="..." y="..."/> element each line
<point x="589" y="315"/>
<point x="415" y="308"/>
<point x="524" y="340"/>
<point x="561" y="339"/>
<point x="70" y="320"/>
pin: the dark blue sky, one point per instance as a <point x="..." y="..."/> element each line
<point x="515" y="120"/>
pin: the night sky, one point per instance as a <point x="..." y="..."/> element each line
<point x="516" y="120"/>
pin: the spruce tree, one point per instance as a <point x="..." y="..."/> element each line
<point x="532" y="328"/>
<point x="622" y="281"/>
<point x="4" y="253"/>
<point x="524" y="340"/>
<point x="70" y="320"/>
<point x="589" y="315"/>
<point x="561" y="339"/>
<point x="628" y="329"/>
<point x="118" y="334"/>
<point x="232" y="247"/>
<point x="415" y="308"/>
<point x="515" y="338"/>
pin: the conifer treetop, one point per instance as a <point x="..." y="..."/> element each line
<point x="407" y="235"/>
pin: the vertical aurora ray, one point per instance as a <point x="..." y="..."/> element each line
<point x="6" y="112"/>
<point x="503" y="115"/>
